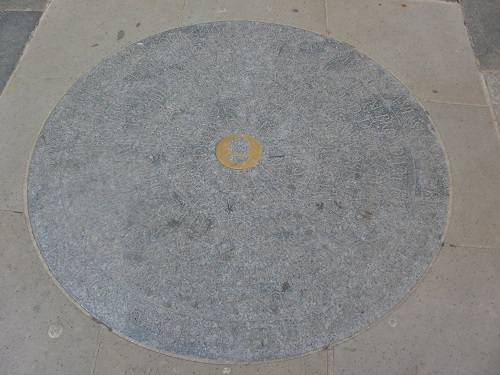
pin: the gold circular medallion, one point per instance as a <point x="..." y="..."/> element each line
<point x="228" y="152"/>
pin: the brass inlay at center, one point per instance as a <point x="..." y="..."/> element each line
<point x="237" y="160"/>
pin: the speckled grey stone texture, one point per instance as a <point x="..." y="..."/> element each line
<point x="141" y="224"/>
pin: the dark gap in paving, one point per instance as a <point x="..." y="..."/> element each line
<point x="15" y="30"/>
<point x="33" y="5"/>
<point x="493" y="83"/>
<point x="482" y="18"/>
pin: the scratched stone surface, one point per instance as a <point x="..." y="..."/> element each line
<point x="327" y="230"/>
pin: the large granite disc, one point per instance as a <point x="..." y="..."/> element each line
<point x="238" y="191"/>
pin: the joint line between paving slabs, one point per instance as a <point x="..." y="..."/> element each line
<point x="327" y="31"/>
<point x="97" y="350"/>
<point x="477" y="247"/>
<point x="444" y="2"/>
<point x="182" y="13"/>
<point x="329" y="361"/>
<point x="11" y="211"/>
<point x="455" y="103"/>
<point x="45" y="77"/>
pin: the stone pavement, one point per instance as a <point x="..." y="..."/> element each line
<point x="447" y="325"/>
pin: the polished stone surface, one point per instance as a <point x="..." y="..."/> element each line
<point x="160" y="240"/>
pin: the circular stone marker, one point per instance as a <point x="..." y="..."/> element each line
<point x="238" y="191"/>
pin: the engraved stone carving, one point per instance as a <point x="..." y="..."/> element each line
<point x="321" y="210"/>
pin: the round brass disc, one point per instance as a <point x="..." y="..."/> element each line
<point x="226" y="156"/>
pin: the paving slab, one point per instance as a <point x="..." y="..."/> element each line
<point x="119" y="356"/>
<point x="75" y="36"/>
<point x="42" y="331"/>
<point x="472" y="145"/>
<point x="449" y="325"/>
<point x="424" y="44"/>
<point x="33" y="5"/>
<point x="309" y="15"/>
<point x="24" y="106"/>
<point x="15" y="30"/>
<point x="482" y="20"/>
<point x="493" y="83"/>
